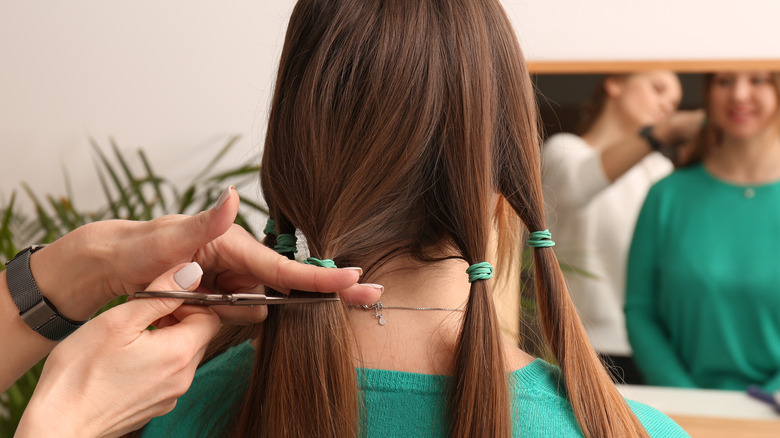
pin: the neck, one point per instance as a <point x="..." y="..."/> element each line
<point x="421" y="341"/>
<point x="746" y="161"/>
<point x="608" y="129"/>
<point x="410" y="283"/>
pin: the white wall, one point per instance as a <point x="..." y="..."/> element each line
<point x="179" y="77"/>
<point x="647" y="29"/>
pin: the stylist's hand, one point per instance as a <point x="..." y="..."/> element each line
<point x="112" y="376"/>
<point x="128" y="255"/>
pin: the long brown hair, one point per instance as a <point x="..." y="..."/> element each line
<point x="392" y="127"/>
<point x="710" y="136"/>
<point x="592" y="109"/>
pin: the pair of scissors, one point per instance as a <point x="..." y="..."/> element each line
<point x="204" y="299"/>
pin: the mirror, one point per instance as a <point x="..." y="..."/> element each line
<point x="561" y="97"/>
<point x="564" y="87"/>
<point x="594" y="199"/>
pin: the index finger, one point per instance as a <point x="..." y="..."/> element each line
<point x="239" y="253"/>
<point x="290" y="274"/>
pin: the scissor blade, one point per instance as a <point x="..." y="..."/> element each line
<point x="253" y="299"/>
<point x="204" y="299"/>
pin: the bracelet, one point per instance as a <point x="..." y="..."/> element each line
<point x="647" y="133"/>
<point x="36" y="311"/>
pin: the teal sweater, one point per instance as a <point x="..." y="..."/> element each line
<point x="398" y="404"/>
<point x="703" y="285"/>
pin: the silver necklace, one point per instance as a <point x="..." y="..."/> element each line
<point x="378" y="307"/>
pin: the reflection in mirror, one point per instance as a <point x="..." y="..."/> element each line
<point x="698" y="265"/>
<point x="597" y="170"/>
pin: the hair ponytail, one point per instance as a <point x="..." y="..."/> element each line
<point x="480" y="398"/>
<point x="598" y="406"/>
<point x="304" y="383"/>
<point x="304" y="362"/>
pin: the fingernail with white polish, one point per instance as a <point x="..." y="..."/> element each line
<point x="223" y="197"/>
<point x="188" y="275"/>
<point x="354" y="268"/>
<point x="375" y="286"/>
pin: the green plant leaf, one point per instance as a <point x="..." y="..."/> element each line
<point x="186" y="199"/>
<point x="61" y="209"/>
<point x="248" y="170"/>
<point x="134" y="186"/>
<point x="124" y="199"/>
<point x="255" y="206"/>
<point x="112" y="205"/>
<point x="47" y="223"/>
<point x="229" y="145"/>
<point x="7" y="246"/>
<point x="155" y="181"/>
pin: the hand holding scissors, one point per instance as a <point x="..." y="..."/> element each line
<point x="112" y="374"/>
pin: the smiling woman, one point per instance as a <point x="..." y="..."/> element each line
<point x="701" y="305"/>
<point x="744" y="105"/>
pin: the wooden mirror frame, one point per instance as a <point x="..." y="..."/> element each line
<point x="680" y="66"/>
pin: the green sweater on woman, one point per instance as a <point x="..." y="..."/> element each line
<point x="398" y="404"/>
<point x="703" y="284"/>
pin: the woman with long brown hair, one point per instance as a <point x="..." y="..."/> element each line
<point x="401" y="134"/>
<point x="702" y="272"/>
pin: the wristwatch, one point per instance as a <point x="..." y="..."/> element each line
<point x="647" y="133"/>
<point x="35" y="310"/>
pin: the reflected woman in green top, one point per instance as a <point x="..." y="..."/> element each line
<point x="703" y="285"/>
<point x="401" y="135"/>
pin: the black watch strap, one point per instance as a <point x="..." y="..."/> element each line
<point x="35" y="310"/>
<point x="647" y="133"/>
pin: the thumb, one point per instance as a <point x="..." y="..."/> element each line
<point x="210" y="224"/>
<point x="145" y="311"/>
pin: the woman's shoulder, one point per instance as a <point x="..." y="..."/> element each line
<point x="233" y="366"/>
<point x="218" y="386"/>
<point x="565" y="141"/>
<point x="564" y="152"/>
<point x="541" y="405"/>
<point x="656" y="423"/>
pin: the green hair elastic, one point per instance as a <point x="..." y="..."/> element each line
<point x="270" y="227"/>
<point x="479" y="271"/>
<point x="286" y="243"/>
<point x="324" y="263"/>
<point x="540" y="239"/>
